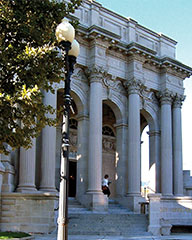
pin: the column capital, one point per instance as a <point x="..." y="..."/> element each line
<point x="133" y="86"/>
<point x="96" y="73"/>
<point x="166" y="97"/>
<point x="177" y="101"/>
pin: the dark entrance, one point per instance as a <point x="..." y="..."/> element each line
<point x="72" y="178"/>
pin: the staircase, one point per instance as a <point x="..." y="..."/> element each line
<point x="118" y="221"/>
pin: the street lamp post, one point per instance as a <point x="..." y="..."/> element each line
<point x="65" y="34"/>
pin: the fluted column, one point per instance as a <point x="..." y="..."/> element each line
<point x="8" y="179"/>
<point x="48" y="151"/>
<point x="95" y="133"/>
<point x="27" y="169"/>
<point x="166" y="144"/>
<point x="134" y="161"/>
<point x="2" y="170"/>
<point x="177" y="147"/>
<point x="121" y="157"/>
<point x="82" y="155"/>
<point x="154" y="157"/>
<point x="95" y="199"/>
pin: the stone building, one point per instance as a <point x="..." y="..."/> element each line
<point x="126" y="78"/>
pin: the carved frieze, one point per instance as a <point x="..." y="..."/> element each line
<point x="79" y="75"/>
<point x="108" y="144"/>
<point x="73" y="138"/>
<point x="111" y="82"/>
<point x="148" y="98"/>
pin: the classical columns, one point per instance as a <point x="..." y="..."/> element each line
<point x="134" y="163"/>
<point x="8" y="178"/>
<point x="166" y="144"/>
<point x="96" y="199"/>
<point x="95" y="134"/>
<point x="27" y="169"/>
<point x="177" y="146"/>
<point x="154" y="157"/>
<point x="82" y="154"/>
<point x="2" y="170"/>
<point x="48" y="151"/>
<point x="121" y="156"/>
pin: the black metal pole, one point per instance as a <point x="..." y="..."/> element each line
<point x="64" y="171"/>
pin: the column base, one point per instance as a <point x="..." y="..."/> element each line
<point x="155" y="230"/>
<point x="132" y="202"/>
<point x="8" y="187"/>
<point x="95" y="201"/>
<point x="48" y="189"/>
<point x="26" y="189"/>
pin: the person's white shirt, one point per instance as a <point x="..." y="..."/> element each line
<point x="105" y="182"/>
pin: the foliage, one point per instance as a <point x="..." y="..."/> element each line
<point x="29" y="64"/>
<point x="8" y="235"/>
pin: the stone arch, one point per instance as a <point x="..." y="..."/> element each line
<point x="117" y="106"/>
<point x="80" y="98"/>
<point x="151" y="116"/>
<point x="109" y="143"/>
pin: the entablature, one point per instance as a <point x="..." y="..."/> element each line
<point x="96" y="18"/>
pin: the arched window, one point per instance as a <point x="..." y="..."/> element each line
<point x="108" y="131"/>
<point x="73" y="123"/>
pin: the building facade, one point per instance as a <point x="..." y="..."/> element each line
<point x="126" y="78"/>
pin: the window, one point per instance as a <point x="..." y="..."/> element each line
<point x="73" y="123"/>
<point x="108" y="131"/>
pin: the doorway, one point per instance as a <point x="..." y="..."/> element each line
<point x="72" y="178"/>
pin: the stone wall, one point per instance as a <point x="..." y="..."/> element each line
<point x="165" y="212"/>
<point x="32" y="213"/>
<point x="187" y="183"/>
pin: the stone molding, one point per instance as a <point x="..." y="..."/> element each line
<point x="81" y="117"/>
<point x="121" y="125"/>
<point x="112" y="82"/>
<point x="79" y="74"/>
<point x="153" y="133"/>
<point x="37" y="195"/>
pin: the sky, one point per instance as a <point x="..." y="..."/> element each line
<point x="173" y="18"/>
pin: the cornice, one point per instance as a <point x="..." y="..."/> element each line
<point x="134" y="51"/>
<point x="127" y="20"/>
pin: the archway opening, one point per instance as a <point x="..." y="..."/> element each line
<point x="145" y="178"/>
<point x="109" y="146"/>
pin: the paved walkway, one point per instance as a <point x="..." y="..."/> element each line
<point x="77" y="237"/>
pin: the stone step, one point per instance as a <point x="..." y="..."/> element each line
<point x="76" y="207"/>
<point x="110" y="224"/>
<point x="117" y="221"/>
